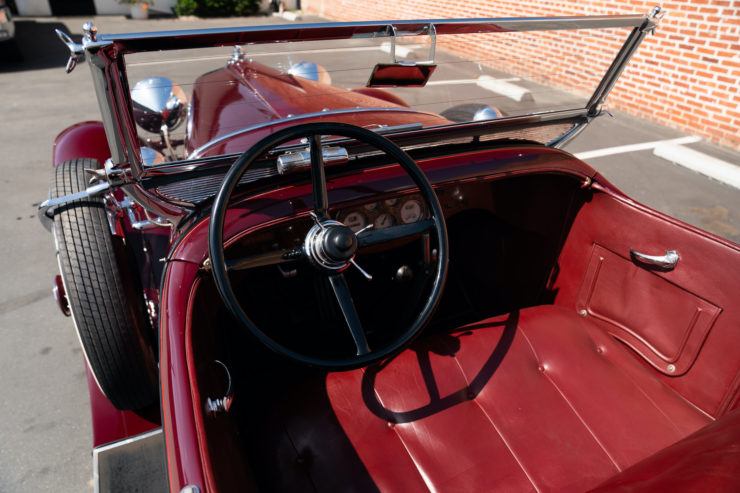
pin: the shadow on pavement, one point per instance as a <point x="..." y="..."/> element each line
<point x="36" y="47"/>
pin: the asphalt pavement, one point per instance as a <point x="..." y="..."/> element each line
<point x="45" y="435"/>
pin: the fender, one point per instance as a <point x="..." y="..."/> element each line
<point x="81" y="140"/>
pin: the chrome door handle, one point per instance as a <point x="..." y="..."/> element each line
<point x="667" y="261"/>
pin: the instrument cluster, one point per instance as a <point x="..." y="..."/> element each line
<point x="384" y="213"/>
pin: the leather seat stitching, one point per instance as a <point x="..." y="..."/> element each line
<point x="493" y="424"/>
<point x="572" y="407"/>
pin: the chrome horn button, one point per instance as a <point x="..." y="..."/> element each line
<point x="331" y="245"/>
<point x="339" y="243"/>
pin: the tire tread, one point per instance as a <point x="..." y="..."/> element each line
<point x="104" y="317"/>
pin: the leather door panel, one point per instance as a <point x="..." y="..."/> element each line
<point x="688" y="317"/>
<point x="662" y="322"/>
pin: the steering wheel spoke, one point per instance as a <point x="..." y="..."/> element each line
<point x="263" y="259"/>
<point x="341" y="291"/>
<point x="318" y="178"/>
<point x="375" y="236"/>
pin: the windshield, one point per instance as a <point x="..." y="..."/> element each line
<point x="225" y="92"/>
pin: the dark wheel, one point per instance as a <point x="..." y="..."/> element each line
<point x="107" y="315"/>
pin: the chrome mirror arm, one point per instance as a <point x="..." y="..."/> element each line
<point x="164" y="131"/>
<point x="76" y="50"/>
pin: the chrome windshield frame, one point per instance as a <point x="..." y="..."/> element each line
<point x="105" y="56"/>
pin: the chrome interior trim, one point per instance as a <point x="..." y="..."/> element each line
<point x="297" y="160"/>
<point x="667" y="261"/>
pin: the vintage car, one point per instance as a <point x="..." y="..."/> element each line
<point x="354" y="257"/>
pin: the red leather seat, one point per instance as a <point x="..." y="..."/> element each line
<point x="541" y="399"/>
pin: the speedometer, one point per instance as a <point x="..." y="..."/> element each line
<point x="411" y="211"/>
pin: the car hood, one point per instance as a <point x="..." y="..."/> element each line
<point x="245" y="95"/>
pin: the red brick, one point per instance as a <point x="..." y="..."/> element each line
<point x="692" y="62"/>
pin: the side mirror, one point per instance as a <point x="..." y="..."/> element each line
<point x="400" y="74"/>
<point x="404" y="74"/>
<point x="158" y="103"/>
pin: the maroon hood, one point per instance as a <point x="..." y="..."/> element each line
<point x="247" y="93"/>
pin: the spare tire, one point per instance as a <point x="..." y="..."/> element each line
<point x="108" y="314"/>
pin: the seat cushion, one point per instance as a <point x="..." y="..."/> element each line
<point x="541" y="399"/>
<point x="708" y="460"/>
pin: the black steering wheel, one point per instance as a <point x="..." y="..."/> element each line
<point x="329" y="246"/>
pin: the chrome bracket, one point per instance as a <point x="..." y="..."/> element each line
<point x="149" y="223"/>
<point x="655" y="16"/>
<point x="432" y="32"/>
<point x="237" y="54"/>
<point x="77" y="50"/>
<point x="102" y="180"/>
<point x="47" y="207"/>
<point x="433" y="47"/>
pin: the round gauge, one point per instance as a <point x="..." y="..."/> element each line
<point x="355" y="221"/>
<point x="411" y="211"/>
<point x="372" y="206"/>
<point x="391" y="202"/>
<point x="383" y="221"/>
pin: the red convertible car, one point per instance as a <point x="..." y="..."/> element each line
<point x="353" y="257"/>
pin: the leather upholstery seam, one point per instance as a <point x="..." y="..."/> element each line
<point x="424" y="478"/>
<point x="306" y="472"/>
<point x="647" y="396"/>
<point x="493" y="424"/>
<point x="567" y="401"/>
<point x="679" y="395"/>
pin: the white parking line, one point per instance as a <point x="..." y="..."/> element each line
<point x="465" y="81"/>
<point x="701" y="163"/>
<point x="674" y="151"/>
<point x="608" y="151"/>
<point x="505" y="88"/>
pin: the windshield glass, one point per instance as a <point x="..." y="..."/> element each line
<point x="203" y="101"/>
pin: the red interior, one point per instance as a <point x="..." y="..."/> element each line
<point x="546" y="369"/>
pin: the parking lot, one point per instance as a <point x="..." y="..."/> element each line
<point x="45" y="428"/>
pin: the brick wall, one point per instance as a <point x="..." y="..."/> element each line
<point x="687" y="76"/>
